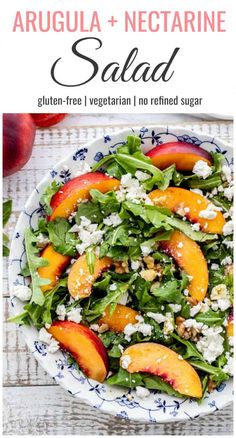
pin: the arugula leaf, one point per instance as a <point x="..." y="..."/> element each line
<point x="168" y="293"/>
<point x="91" y="211"/>
<point x="108" y="201"/>
<point x="123" y="378"/>
<point x="191" y="349"/>
<point x="155" y="382"/>
<point x="48" y="194"/>
<point x="90" y="259"/>
<point x="35" y="262"/>
<point x="6" y="211"/>
<point x="216" y="374"/>
<point x="186" y="228"/>
<point x="168" y="175"/>
<point x="211" y="318"/>
<point x="63" y="241"/>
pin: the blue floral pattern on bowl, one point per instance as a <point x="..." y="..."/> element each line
<point x="117" y="401"/>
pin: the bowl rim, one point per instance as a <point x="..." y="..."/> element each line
<point x="89" y="144"/>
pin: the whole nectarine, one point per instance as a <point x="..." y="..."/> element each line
<point x="46" y="120"/>
<point x="18" y="139"/>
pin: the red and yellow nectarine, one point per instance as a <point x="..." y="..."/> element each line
<point x="183" y="155"/>
<point x="53" y="271"/>
<point x="121" y="316"/>
<point x="65" y="201"/>
<point x="176" y="199"/>
<point x="189" y="257"/>
<point x="80" y="281"/>
<point x="161" y="361"/>
<point x="84" y="345"/>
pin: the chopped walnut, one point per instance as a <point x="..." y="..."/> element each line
<point x="211" y="385"/>
<point x="186" y="332"/>
<point x="192" y="301"/>
<point x="149" y="262"/>
<point x="148" y="274"/>
<point x="159" y="269"/>
<point x="121" y="267"/>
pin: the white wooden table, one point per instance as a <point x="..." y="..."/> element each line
<point x="33" y="403"/>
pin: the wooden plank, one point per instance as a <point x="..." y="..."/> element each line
<point x="50" y="411"/>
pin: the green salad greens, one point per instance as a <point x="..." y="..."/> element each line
<point x="166" y="280"/>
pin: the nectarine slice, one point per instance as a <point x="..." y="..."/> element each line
<point x="177" y="199"/>
<point x="163" y="362"/>
<point x="80" y="281"/>
<point x="84" y="345"/>
<point x="190" y="258"/>
<point x="121" y="316"/>
<point x="57" y="264"/>
<point x="183" y="155"/>
<point x="65" y="201"/>
<point x="230" y="325"/>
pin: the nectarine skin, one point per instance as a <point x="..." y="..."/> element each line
<point x="161" y="361"/>
<point x="43" y="120"/>
<point x="176" y="199"/>
<point x="84" y="345"/>
<point x="65" y="201"/>
<point x="183" y="155"/>
<point x="189" y="257"/>
<point x="80" y="281"/>
<point x="18" y="139"/>
<point x="57" y="264"/>
<point x="121" y="316"/>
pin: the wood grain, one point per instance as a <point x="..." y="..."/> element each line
<point x="33" y="403"/>
<point x="50" y="411"/>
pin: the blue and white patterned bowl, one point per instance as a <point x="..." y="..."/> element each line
<point x="117" y="401"/>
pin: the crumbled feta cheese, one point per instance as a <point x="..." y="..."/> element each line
<point x="44" y="336"/>
<point x="75" y="314"/>
<point x="186" y="292"/>
<point x="168" y="324"/>
<point x="61" y="312"/>
<point x="227" y="261"/>
<point x="209" y="213"/>
<point x="211" y="343"/>
<point x="113" y="286"/>
<point x="219" y="291"/>
<point x="214" y="267"/>
<point x="202" y="169"/>
<point x="47" y="326"/>
<point x="142" y="392"/>
<point x="175" y="307"/>
<point x="158" y="317"/>
<point x="141" y="327"/>
<point x="228" y="228"/>
<point x="87" y="233"/>
<point x="231" y="340"/>
<point x="197" y="191"/>
<point x="125" y="361"/>
<point x="123" y="299"/>
<point x="196" y="226"/>
<point x="192" y="323"/>
<point x="94" y="327"/>
<point x="195" y="309"/>
<point x="131" y="190"/>
<point x="229" y="193"/>
<point x="113" y="220"/>
<point x="229" y="366"/>
<point x="81" y="168"/>
<point x="146" y="250"/>
<point x="220" y="188"/>
<point x="22" y="292"/>
<point x="135" y="265"/>
<point x="53" y="346"/>
<point x="214" y="191"/>
<point x="142" y="176"/>
<point x="226" y="173"/>
<point x="228" y="243"/>
<point x="42" y="241"/>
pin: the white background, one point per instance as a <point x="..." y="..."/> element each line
<point x="204" y="66"/>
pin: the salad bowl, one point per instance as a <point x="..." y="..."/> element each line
<point x="122" y="402"/>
